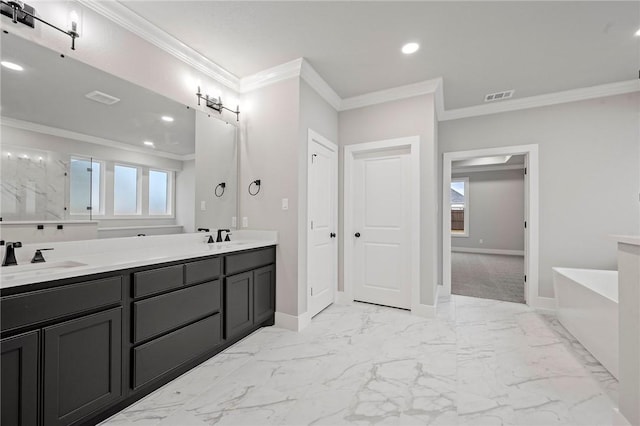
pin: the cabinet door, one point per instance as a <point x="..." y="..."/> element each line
<point x="264" y="296"/>
<point x="238" y="306"/>
<point x="82" y="366"/>
<point x="20" y="380"/>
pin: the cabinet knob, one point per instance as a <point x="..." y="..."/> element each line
<point x="332" y="235"/>
<point x="357" y="235"/>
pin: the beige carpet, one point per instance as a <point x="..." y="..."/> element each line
<point x="489" y="276"/>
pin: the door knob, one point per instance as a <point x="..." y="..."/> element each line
<point x="357" y="235"/>
<point x="332" y="235"/>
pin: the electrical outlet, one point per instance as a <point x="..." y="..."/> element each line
<point x="203" y="205"/>
<point x="285" y="204"/>
<point x="245" y="222"/>
<point x="234" y="222"/>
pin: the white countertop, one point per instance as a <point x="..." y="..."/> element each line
<point x="634" y="240"/>
<point x="78" y="258"/>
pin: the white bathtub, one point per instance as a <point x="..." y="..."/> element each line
<point x="587" y="306"/>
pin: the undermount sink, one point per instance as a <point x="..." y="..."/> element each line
<point x="34" y="269"/>
<point x="228" y="244"/>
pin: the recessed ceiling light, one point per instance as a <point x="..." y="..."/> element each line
<point x="167" y="118"/>
<point x="148" y="143"/>
<point x="638" y="33"/>
<point x="410" y="48"/>
<point x="11" y="66"/>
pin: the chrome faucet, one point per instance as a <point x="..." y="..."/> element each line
<point x="10" y="254"/>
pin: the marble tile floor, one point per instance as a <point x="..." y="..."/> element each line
<point x="479" y="362"/>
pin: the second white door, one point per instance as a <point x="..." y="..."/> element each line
<point x="322" y="249"/>
<point x="381" y="234"/>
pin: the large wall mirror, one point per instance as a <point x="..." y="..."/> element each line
<point x="81" y="144"/>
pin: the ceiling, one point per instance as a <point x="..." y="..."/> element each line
<point x="51" y="91"/>
<point x="477" y="47"/>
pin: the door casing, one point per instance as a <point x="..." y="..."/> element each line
<point x="531" y="214"/>
<point x="350" y="152"/>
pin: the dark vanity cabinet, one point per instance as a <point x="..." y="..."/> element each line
<point x="69" y="364"/>
<point x="76" y="351"/>
<point x="82" y="366"/>
<point x="19" y="365"/>
<point x="249" y="295"/>
<point x="179" y="319"/>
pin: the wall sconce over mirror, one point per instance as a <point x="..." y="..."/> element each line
<point x="216" y="104"/>
<point x="20" y="12"/>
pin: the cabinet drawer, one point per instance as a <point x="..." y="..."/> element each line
<point x="157" y="280"/>
<point x="202" y="270"/>
<point x="159" y="356"/>
<point x="38" y="306"/>
<point x="244" y="261"/>
<point x="168" y="311"/>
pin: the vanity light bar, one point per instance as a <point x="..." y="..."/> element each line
<point x="21" y="12"/>
<point x="216" y="104"/>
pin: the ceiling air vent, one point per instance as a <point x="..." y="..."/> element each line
<point x="103" y="98"/>
<point x="498" y="96"/>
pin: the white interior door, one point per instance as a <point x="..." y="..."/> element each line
<point x="381" y="232"/>
<point x="322" y="247"/>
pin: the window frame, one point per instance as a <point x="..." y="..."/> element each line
<point x="465" y="233"/>
<point x="139" y="197"/>
<point x="107" y="191"/>
<point x="170" y="192"/>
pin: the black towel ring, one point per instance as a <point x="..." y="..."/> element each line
<point x="221" y="185"/>
<point x="257" y="184"/>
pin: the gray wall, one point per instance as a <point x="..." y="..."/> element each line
<point x="496" y="210"/>
<point x="269" y="142"/>
<point x="274" y="149"/>
<point x="589" y="174"/>
<point x="402" y="118"/>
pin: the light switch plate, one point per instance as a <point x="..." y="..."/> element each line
<point x="234" y="222"/>
<point x="285" y="204"/>
<point x="245" y="222"/>
<point x="203" y="205"/>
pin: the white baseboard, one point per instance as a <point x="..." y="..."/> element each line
<point x="292" y="322"/>
<point x="341" y="298"/>
<point x="487" y="251"/>
<point x="424" y="311"/>
<point x="544" y="304"/>
<point x="618" y="419"/>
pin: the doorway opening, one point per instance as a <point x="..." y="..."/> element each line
<point x="490" y="222"/>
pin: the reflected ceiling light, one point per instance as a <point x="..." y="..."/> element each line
<point x="12" y="66"/>
<point x="21" y="12"/>
<point x="410" y="48"/>
<point x="638" y="33"/>
<point x="167" y="119"/>
<point x="148" y="143"/>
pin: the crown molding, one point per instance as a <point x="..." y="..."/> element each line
<point x="271" y="75"/>
<point x="68" y="134"/>
<point x="393" y="94"/>
<point x="311" y="76"/>
<point x="126" y="18"/>
<point x="574" y="95"/>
